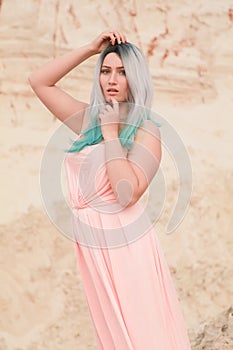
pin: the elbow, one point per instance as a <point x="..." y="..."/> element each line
<point x="126" y="194"/>
<point x="125" y="203"/>
<point x="35" y="82"/>
<point x="32" y="81"/>
<point x="133" y="200"/>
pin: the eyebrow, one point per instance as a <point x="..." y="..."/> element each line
<point x="111" y="67"/>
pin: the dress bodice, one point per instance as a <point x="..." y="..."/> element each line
<point x="88" y="181"/>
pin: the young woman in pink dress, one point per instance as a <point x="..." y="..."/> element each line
<point x="129" y="290"/>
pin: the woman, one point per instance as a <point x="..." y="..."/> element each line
<point x="129" y="290"/>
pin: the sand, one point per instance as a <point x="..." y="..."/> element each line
<point x="42" y="301"/>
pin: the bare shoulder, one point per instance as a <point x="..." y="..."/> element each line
<point x="146" y="152"/>
<point x="148" y="133"/>
<point x="148" y="136"/>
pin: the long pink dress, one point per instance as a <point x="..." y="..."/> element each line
<point x="131" y="297"/>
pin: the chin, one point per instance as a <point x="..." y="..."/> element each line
<point x="118" y="99"/>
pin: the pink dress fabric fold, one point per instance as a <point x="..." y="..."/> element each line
<point x="129" y="290"/>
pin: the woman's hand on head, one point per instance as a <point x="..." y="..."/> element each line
<point x="107" y="38"/>
<point x="109" y="120"/>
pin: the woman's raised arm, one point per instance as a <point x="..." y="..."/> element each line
<point x="43" y="80"/>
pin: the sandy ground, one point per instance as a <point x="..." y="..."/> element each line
<point x="189" y="51"/>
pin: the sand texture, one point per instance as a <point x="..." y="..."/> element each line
<point x="189" y="49"/>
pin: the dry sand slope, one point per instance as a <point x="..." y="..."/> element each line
<point x="188" y="46"/>
<point x="43" y="304"/>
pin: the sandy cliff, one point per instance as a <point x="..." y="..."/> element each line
<point x="189" y="51"/>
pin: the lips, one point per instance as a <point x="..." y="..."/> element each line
<point x="112" y="90"/>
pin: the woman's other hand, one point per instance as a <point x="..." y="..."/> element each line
<point x="109" y="120"/>
<point x="107" y="38"/>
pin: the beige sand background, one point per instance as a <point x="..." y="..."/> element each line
<point x="189" y="49"/>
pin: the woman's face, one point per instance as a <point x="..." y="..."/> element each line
<point x="112" y="78"/>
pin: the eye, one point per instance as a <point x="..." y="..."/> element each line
<point x="122" y="72"/>
<point x="105" y="71"/>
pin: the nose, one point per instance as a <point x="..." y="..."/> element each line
<point x="112" y="78"/>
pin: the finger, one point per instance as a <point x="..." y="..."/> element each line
<point x="108" y="108"/>
<point x="122" y="37"/>
<point x="112" y="37"/>
<point x="118" y="37"/>
<point x="115" y="104"/>
<point x="124" y="40"/>
<point x="106" y="36"/>
<point x="113" y="100"/>
<point x="103" y="110"/>
<point x="101" y="115"/>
